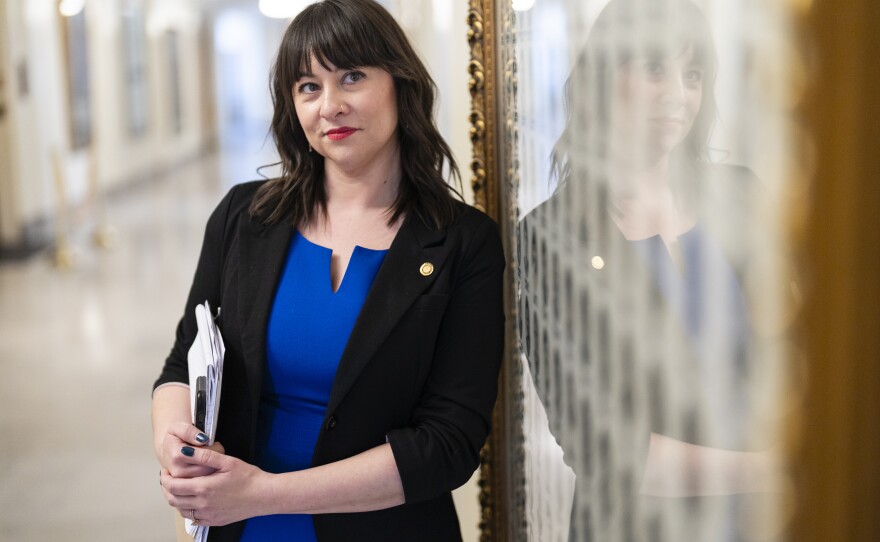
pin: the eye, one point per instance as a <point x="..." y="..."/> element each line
<point x="693" y="76"/>
<point x="307" y="88"/>
<point x="353" y="76"/>
<point x="654" y="68"/>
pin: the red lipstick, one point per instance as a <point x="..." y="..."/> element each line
<point x="338" y="134"/>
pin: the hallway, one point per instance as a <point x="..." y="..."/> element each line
<point x="94" y="100"/>
<point x="80" y="350"/>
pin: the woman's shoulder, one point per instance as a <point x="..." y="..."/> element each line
<point x="468" y="216"/>
<point x="471" y="222"/>
<point x="471" y="230"/>
<point x="234" y="204"/>
<point x="730" y="169"/>
<point x="728" y="189"/>
<point x="734" y="174"/>
<point x="238" y="199"/>
<point x="240" y="196"/>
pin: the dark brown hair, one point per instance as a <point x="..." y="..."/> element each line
<point x="624" y="29"/>
<point x="350" y="34"/>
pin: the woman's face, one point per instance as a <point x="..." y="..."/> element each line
<point x="348" y="116"/>
<point x="655" y="102"/>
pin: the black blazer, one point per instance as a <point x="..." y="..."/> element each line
<point x="571" y="371"/>
<point x="420" y="368"/>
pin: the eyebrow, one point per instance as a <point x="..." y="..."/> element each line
<point x="661" y="54"/>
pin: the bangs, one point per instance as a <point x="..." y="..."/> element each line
<point x="674" y="48"/>
<point x="655" y="28"/>
<point x="674" y="33"/>
<point x="333" y="36"/>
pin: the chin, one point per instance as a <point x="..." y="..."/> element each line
<point x="666" y="143"/>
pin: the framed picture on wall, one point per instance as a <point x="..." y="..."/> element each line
<point x="134" y="69"/>
<point x="171" y="41"/>
<point x="77" y="71"/>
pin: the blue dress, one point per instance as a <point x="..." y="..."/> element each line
<point x="708" y="300"/>
<point x="308" y="328"/>
<point x="706" y="276"/>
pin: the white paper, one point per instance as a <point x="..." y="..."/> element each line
<point x="205" y="358"/>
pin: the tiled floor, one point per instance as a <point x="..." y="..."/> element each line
<point x="79" y="350"/>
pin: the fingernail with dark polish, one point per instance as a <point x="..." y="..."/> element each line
<point x="201" y="438"/>
<point x="188" y="451"/>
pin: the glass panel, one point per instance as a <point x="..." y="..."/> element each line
<point x="652" y="155"/>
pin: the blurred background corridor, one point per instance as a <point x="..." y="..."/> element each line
<point x="122" y="124"/>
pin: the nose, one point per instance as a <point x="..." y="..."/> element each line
<point x="673" y="90"/>
<point x="333" y="104"/>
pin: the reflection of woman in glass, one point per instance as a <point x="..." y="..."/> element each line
<point x="663" y="338"/>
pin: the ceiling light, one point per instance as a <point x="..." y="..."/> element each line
<point x="70" y="8"/>
<point x="523" y="5"/>
<point x="282" y="9"/>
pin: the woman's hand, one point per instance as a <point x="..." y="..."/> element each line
<point x="234" y="491"/>
<point x="172" y="430"/>
<point x="178" y="435"/>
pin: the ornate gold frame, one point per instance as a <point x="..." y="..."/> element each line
<point x="481" y="83"/>
<point x="493" y="135"/>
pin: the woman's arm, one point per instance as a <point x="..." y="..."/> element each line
<point x="435" y="453"/>
<point x="172" y="430"/>
<point x="205" y="285"/>
<point x="237" y="490"/>
<point x="440" y="449"/>
<point x="678" y="469"/>
<point x="170" y="406"/>
<point x="171" y="415"/>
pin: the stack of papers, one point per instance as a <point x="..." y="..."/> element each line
<point x="205" y="361"/>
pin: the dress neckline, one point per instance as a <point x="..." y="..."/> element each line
<point x="369" y="253"/>
<point x="356" y="247"/>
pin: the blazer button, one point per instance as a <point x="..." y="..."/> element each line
<point x="331" y="423"/>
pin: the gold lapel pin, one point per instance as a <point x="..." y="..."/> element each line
<point x="426" y="269"/>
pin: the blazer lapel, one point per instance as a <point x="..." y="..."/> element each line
<point x="396" y="286"/>
<point x="262" y="251"/>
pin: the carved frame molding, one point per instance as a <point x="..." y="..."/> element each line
<point x="482" y="87"/>
<point x="493" y="136"/>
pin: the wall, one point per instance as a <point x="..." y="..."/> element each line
<point x="438" y="31"/>
<point x="6" y="80"/>
<point x="25" y="100"/>
<point x="37" y="115"/>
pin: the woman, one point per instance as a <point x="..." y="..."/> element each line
<point x="659" y="381"/>
<point x="361" y="310"/>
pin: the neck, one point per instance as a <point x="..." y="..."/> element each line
<point x="639" y="179"/>
<point x="371" y="187"/>
<point x="643" y="203"/>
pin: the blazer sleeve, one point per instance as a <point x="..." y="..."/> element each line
<point x="441" y="449"/>
<point x="205" y="287"/>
